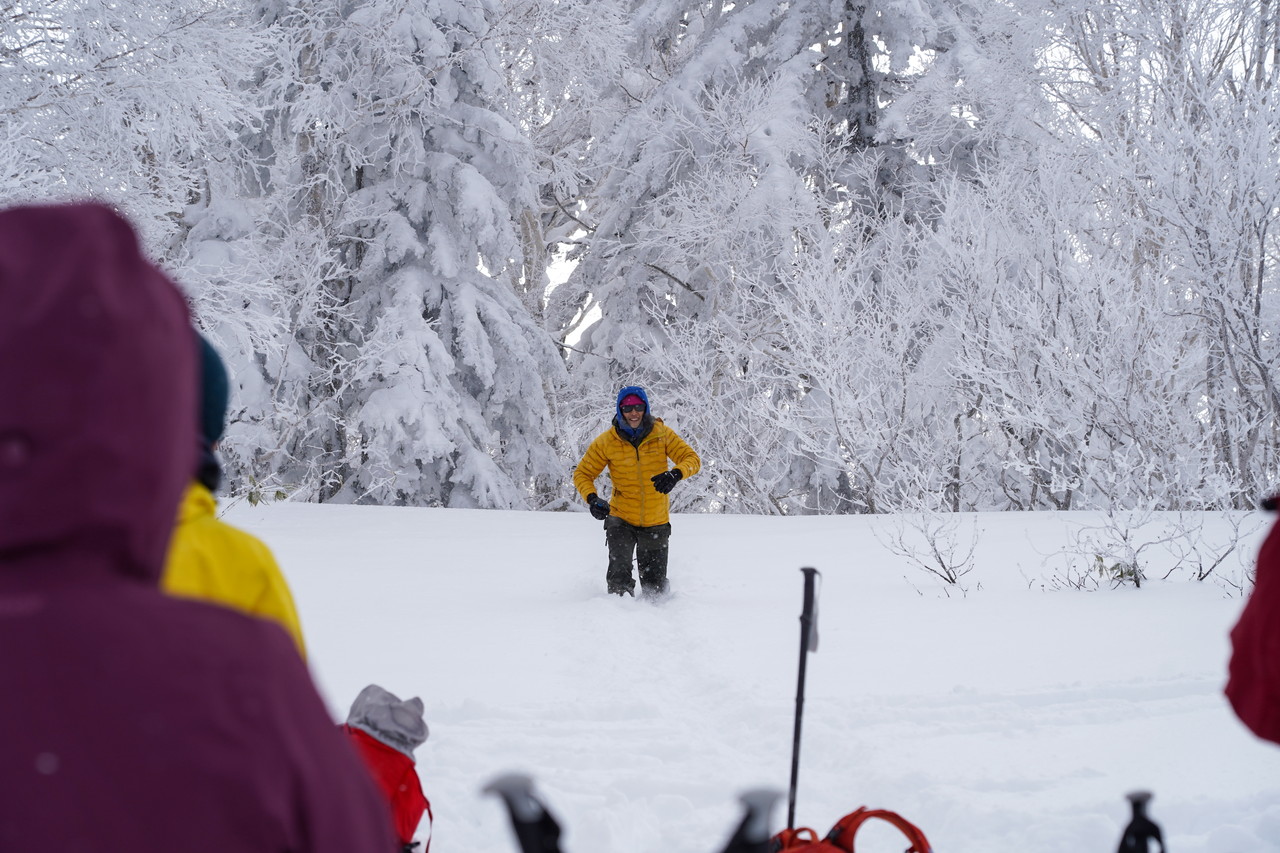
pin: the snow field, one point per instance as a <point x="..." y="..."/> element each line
<point x="1014" y="716"/>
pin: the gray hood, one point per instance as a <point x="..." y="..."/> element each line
<point x="382" y="715"/>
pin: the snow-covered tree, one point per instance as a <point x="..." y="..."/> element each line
<point x="759" y="134"/>
<point x="137" y="104"/>
<point x="394" y="143"/>
<point x="866" y="255"/>
<point x="1177" y="102"/>
<point x="148" y="106"/>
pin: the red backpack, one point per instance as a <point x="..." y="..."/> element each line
<point x="840" y="838"/>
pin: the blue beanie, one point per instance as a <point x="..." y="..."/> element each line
<point x="214" y="393"/>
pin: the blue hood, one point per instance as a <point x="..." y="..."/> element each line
<point x="617" y="408"/>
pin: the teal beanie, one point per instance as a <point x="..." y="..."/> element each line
<point x="214" y="393"/>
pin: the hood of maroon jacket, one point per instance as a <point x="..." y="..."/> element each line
<point x="97" y="405"/>
<point x="1253" y="683"/>
<point x="133" y="721"/>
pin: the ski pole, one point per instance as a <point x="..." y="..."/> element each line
<point x="536" y="830"/>
<point x="752" y="834"/>
<point x="1141" y="829"/>
<point x="808" y="643"/>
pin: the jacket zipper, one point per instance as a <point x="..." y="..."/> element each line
<point x="640" y="478"/>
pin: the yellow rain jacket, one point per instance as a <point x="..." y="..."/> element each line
<point x="634" y="498"/>
<point x="213" y="561"/>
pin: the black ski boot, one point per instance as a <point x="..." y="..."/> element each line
<point x="654" y="590"/>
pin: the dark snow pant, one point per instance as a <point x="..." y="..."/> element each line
<point x="649" y="544"/>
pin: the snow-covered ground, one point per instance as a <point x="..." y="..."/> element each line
<point x="1012" y="716"/>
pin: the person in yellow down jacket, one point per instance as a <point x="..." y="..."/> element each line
<point x="209" y="559"/>
<point x="637" y="520"/>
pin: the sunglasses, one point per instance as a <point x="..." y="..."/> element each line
<point x="626" y="410"/>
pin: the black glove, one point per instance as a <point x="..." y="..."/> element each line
<point x="666" y="481"/>
<point x="599" y="509"/>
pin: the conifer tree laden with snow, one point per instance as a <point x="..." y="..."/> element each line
<point x="407" y="162"/>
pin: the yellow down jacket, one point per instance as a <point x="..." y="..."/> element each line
<point x="634" y="499"/>
<point x="215" y="562"/>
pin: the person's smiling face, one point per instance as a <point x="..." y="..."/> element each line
<point x="633" y="414"/>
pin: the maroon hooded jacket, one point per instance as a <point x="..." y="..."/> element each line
<point x="1253" y="685"/>
<point x="131" y="722"/>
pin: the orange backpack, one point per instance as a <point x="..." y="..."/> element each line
<point x="840" y="838"/>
